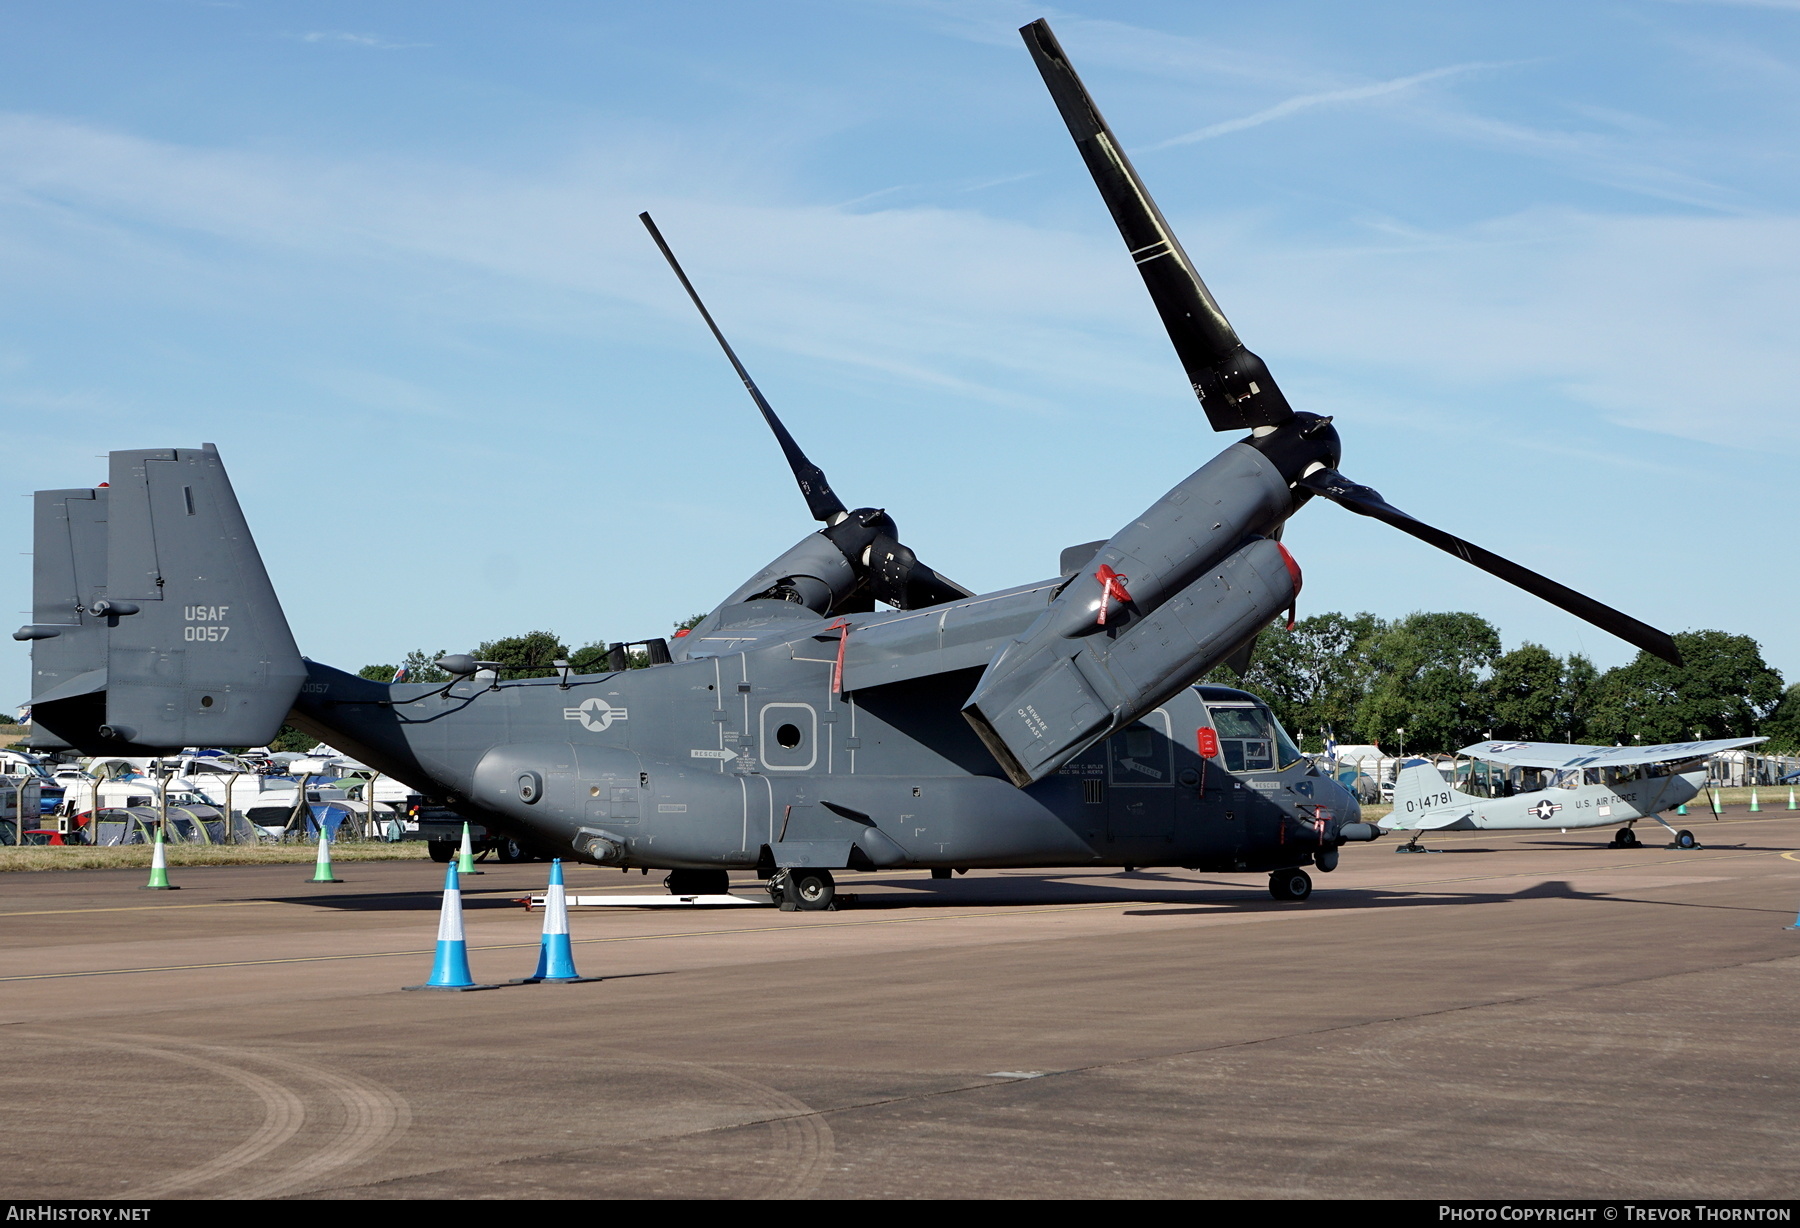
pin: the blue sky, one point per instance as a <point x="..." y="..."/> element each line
<point x="1542" y="261"/>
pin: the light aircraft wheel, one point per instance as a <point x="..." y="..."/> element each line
<point x="1290" y="884"/>
<point x="442" y="851"/>
<point x="1684" y="839"/>
<point x="812" y="890"/>
<point x="1626" y="839"/>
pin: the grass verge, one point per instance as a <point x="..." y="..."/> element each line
<point x="137" y="856"/>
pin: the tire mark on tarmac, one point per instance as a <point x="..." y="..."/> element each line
<point x="374" y="1116"/>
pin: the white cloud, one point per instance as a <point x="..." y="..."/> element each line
<point x="1676" y="325"/>
<point x="355" y="40"/>
<point x="1314" y="101"/>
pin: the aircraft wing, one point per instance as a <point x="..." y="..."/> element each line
<point x="1565" y="755"/>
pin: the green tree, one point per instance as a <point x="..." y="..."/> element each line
<point x="1580" y="691"/>
<point x="377" y="673"/>
<point x="1725" y="690"/>
<point x="291" y="739"/>
<point x="525" y="656"/>
<point x="1427" y="672"/>
<point x="1783" y="725"/>
<point x="1316" y="676"/>
<point x="1523" y="695"/>
<point x="421" y="666"/>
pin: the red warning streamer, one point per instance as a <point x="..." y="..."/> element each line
<point x="837" y="671"/>
<point x="1112" y="588"/>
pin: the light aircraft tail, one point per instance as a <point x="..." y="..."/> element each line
<point x="1417" y="790"/>
<point x="154" y="622"/>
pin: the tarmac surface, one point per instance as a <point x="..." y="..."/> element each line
<point x="1519" y="1015"/>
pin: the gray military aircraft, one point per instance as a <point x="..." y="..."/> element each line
<point x="797" y="730"/>
<point x="1514" y="786"/>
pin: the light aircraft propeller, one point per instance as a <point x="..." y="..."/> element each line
<point x="868" y="537"/>
<point x="1236" y="389"/>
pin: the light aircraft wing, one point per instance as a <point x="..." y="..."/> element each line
<point x="1565" y="755"/>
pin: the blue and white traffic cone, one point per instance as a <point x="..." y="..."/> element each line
<point x="451" y="971"/>
<point x="556" y="959"/>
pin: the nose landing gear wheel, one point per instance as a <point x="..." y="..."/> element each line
<point x="1290" y="884"/>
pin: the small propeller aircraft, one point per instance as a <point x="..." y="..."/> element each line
<point x="1518" y="786"/>
<point x="797" y="730"/>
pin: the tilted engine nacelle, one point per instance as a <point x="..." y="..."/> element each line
<point x="1168" y="597"/>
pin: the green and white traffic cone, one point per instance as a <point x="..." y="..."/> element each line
<point x="465" y="856"/>
<point x="1714" y="798"/>
<point x="1755" y="806"/>
<point x="322" y="864"/>
<point x="1681" y="809"/>
<point x="159" y="868"/>
<point x="1791" y="799"/>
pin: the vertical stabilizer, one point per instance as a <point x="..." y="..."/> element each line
<point x="156" y="626"/>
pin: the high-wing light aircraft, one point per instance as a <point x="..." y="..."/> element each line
<point x="1514" y="786"/>
<point x="798" y="730"/>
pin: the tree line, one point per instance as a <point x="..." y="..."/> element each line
<point x="1443" y="678"/>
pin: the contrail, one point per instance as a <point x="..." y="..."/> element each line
<point x="1306" y="102"/>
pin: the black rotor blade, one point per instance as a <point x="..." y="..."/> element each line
<point x="1234" y="387"/>
<point x="1364" y="501"/>
<point x="820" y="499"/>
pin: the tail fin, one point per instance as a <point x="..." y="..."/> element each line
<point x="156" y="625"/>
<point x="1416" y="788"/>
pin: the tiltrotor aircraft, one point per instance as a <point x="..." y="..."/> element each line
<point x="1514" y="786"/>
<point x="797" y="730"/>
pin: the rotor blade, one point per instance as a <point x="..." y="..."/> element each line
<point x="820" y="500"/>
<point x="1234" y="387"/>
<point x="1364" y="501"/>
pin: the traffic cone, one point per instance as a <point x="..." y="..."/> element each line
<point x="1790" y="799"/>
<point x="556" y="960"/>
<point x="1714" y="798"/>
<point x="322" y="865"/>
<point x="1755" y="806"/>
<point x="159" y="868"/>
<point x="465" y="856"/>
<point x="1681" y="809"/>
<point x="451" y="970"/>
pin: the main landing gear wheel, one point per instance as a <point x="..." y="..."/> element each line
<point x="512" y="851"/>
<point x="698" y="882"/>
<point x="1290" y="884"/>
<point x="1684" y="839"/>
<point x="811" y="890"/>
<point x="441" y="851"/>
<point x="1625" y="839"/>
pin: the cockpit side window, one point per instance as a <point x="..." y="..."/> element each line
<point x="1250" y="739"/>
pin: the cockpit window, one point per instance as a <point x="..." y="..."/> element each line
<point x="1250" y="739"/>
